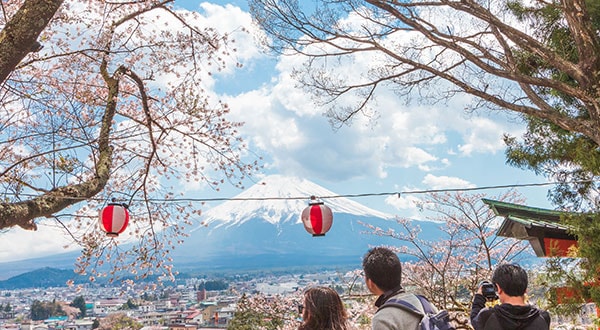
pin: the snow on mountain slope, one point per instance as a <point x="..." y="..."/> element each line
<point x="279" y="199"/>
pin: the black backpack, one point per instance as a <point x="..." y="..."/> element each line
<point x="430" y="320"/>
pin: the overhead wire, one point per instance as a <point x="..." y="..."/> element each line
<point x="400" y="193"/>
<point x="397" y="193"/>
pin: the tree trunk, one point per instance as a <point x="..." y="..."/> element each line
<point x="19" y="36"/>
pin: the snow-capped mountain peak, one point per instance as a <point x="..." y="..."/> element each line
<point x="278" y="198"/>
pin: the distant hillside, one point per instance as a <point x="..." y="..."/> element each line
<point x="61" y="261"/>
<point x="42" y="278"/>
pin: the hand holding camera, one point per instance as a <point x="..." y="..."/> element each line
<point x="488" y="290"/>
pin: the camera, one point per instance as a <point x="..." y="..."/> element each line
<point x="488" y="290"/>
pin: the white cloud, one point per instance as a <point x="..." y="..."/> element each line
<point x="445" y="182"/>
<point x="236" y="23"/>
<point x="24" y="244"/>
<point x="268" y="128"/>
<point x="482" y="136"/>
<point x="405" y="204"/>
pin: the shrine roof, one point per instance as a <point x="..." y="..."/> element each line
<point x="538" y="226"/>
<point x="524" y="212"/>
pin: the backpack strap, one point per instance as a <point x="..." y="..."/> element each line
<point x="427" y="306"/>
<point x="405" y="305"/>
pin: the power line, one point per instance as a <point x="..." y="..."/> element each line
<point x="408" y="192"/>
<point x="397" y="193"/>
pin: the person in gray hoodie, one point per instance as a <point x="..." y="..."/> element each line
<point x="510" y="282"/>
<point x="383" y="277"/>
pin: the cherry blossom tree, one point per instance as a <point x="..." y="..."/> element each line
<point x="266" y="312"/>
<point x="104" y="100"/>
<point x="119" y="321"/>
<point x="448" y="270"/>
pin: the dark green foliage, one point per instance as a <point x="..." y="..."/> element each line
<point x="587" y="229"/>
<point x="6" y="310"/>
<point x="41" y="310"/>
<point x="79" y="302"/>
<point x="545" y="147"/>
<point x="564" y="155"/>
<point x="130" y="304"/>
<point x="562" y="272"/>
<point x="149" y="296"/>
<point x="213" y="285"/>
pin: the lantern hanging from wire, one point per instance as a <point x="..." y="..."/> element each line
<point x="317" y="217"/>
<point x="114" y="218"/>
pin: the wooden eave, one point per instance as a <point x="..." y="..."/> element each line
<point x="525" y="228"/>
<point x="525" y="212"/>
<point x="530" y="223"/>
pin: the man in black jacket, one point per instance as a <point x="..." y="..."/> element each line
<point x="510" y="282"/>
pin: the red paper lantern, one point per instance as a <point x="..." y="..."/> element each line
<point x="114" y="219"/>
<point x="317" y="217"/>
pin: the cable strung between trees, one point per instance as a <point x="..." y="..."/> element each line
<point x="398" y="193"/>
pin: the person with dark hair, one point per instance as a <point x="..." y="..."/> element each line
<point x="383" y="277"/>
<point x="323" y="310"/>
<point x="510" y="282"/>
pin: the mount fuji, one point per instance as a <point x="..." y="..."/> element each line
<point x="261" y="228"/>
<point x="280" y="199"/>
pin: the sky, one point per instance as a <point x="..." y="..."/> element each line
<point x="406" y="147"/>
